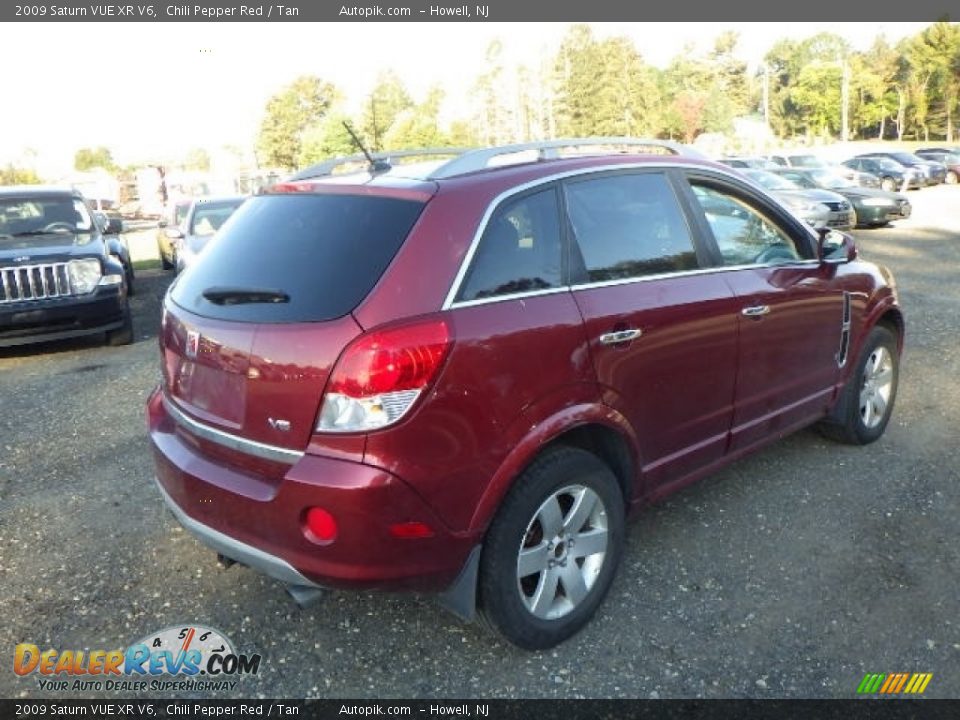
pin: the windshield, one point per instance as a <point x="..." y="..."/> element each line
<point x="832" y="180"/>
<point x="209" y="216"/>
<point x="805" y="161"/>
<point x="905" y="158"/>
<point x="44" y="215"/>
<point x="888" y="164"/>
<point x="771" y="181"/>
<point x="951" y="159"/>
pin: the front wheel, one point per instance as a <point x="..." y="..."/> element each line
<point x="951" y="178"/>
<point x="552" y="550"/>
<point x="866" y="402"/>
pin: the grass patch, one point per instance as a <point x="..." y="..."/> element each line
<point x="151" y="264"/>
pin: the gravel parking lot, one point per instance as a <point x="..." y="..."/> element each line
<point x="791" y="574"/>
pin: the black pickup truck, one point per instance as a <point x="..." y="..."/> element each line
<point x="64" y="272"/>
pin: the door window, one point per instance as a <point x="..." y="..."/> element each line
<point x="628" y="226"/>
<point x="744" y="235"/>
<point x="519" y="251"/>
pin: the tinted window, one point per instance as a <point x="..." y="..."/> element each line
<point x="324" y="252"/>
<point x="209" y="216"/>
<point x="628" y="226"/>
<point x="519" y="250"/>
<point x="743" y="234"/>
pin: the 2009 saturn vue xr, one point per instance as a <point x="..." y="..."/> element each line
<point x="462" y="375"/>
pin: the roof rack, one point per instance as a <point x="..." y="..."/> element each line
<point x="473" y="160"/>
<point x="327" y="167"/>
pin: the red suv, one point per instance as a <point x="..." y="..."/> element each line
<point x="463" y="376"/>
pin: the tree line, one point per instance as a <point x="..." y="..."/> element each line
<point x="593" y="86"/>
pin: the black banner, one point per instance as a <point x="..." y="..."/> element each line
<point x="484" y="11"/>
<point x="488" y="710"/>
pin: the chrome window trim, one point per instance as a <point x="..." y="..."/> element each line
<point x="450" y="303"/>
<point x="250" y="447"/>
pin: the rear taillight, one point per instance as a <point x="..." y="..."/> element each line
<point x="380" y="376"/>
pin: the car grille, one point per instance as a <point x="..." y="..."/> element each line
<point x="34" y="282"/>
<point x="838" y="206"/>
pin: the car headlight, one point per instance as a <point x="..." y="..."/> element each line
<point x="84" y="275"/>
<point x="878" y="202"/>
<point x="808" y="207"/>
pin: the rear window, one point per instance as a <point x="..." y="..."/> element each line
<point x="296" y="258"/>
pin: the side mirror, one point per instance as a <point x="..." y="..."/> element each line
<point x="114" y="226"/>
<point x="173" y="233"/>
<point x="835" y="248"/>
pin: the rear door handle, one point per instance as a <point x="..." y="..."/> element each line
<point x="756" y="310"/>
<point x="620" y="336"/>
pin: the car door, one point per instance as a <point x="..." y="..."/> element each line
<point x="791" y="315"/>
<point x="661" y="331"/>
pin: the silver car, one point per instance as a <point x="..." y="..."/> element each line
<point x="199" y="225"/>
<point x="819" y="208"/>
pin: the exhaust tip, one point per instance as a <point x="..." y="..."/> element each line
<point x="304" y="595"/>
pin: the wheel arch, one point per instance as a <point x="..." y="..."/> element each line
<point x="596" y="428"/>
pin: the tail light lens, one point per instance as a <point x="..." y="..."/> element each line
<point x="380" y="376"/>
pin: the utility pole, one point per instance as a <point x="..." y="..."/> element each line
<point x="845" y="101"/>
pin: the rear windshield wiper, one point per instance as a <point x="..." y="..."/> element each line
<point x="242" y="295"/>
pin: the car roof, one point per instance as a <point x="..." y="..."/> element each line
<point x="38" y="191"/>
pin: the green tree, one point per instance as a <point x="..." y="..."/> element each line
<point x="419" y="126"/>
<point x="12" y="175"/>
<point x="90" y="158"/>
<point x="197" y="159"/>
<point x="816" y="95"/>
<point x="386" y="101"/>
<point x="288" y="114"/>
<point x="330" y="138"/>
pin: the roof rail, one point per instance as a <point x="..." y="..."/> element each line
<point x="473" y="160"/>
<point x="327" y="167"/>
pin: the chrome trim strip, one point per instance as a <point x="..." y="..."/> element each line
<point x="250" y="447"/>
<point x="232" y="548"/>
<point x="511" y="296"/>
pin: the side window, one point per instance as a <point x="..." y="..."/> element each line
<point x="744" y="235"/>
<point x="519" y="250"/>
<point x="628" y="226"/>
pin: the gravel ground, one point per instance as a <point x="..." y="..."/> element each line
<point x="790" y="574"/>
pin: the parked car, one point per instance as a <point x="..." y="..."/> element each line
<point x="933" y="172"/>
<point x="758" y="163"/>
<point x="463" y="377"/>
<point x="173" y="217"/>
<point x="949" y="159"/>
<point x="63" y="271"/>
<point x="802" y="160"/>
<point x="200" y="222"/>
<point x="872" y="206"/>
<point x="893" y="176"/>
<point x="820" y="208"/>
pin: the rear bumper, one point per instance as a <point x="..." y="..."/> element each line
<point x="60" y="318"/>
<point x="254" y="513"/>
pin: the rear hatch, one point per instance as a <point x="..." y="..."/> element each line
<point x="253" y="329"/>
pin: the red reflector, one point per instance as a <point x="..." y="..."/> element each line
<point x="321" y="526"/>
<point x="409" y="530"/>
<point x="384" y="361"/>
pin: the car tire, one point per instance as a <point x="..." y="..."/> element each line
<point x="166" y="264"/>
<point x="866" y="401"/>
<point x="888" y="184"/>
<point x="123" y="335"/>
<point x="129" y="276"/>
<point x="951" y="178"/>
<point x="571" y="495"/>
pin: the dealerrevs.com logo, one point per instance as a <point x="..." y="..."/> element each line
<point x="180" y="657"/>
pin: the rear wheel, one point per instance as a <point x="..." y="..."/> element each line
<point x="866" y="402"/>
<point x="552" y="550"/>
